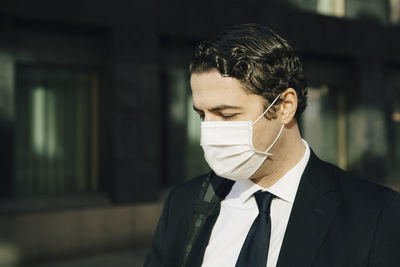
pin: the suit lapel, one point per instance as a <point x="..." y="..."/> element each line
<point x="312" y="213"/>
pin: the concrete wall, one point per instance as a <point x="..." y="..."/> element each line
<point x="45" y="236"/>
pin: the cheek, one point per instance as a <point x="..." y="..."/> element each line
<point x="263" y="134"/>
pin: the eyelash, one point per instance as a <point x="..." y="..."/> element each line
<point x="228" y="117"/>
<point x="225" y="117"/>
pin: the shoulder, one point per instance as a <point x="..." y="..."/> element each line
<point x="362" y="193"/>
<point x="348" y="182"/>
<point x="183" y="196"/>
<point x="366" y="216"/>
<point x="189" y="189"/>
<point x="187" y="195"/>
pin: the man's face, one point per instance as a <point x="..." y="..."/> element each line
<point x="219" y="98"/>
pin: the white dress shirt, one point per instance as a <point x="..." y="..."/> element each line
<point x="238" y="211"/>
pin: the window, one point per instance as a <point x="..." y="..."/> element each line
<point x="393" y="103"/>
<point x="55" y="145"/>
<point x="381" y="10"/>
<point x="395" y="170"/>
<point x="323" y="124"/>
<point x="324" y="7"/>
<point x="331" y="7"/>
<point x="395" y="11"/>
<point x="182" y="156"/>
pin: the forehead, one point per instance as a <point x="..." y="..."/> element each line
<point x="211" y="89"/>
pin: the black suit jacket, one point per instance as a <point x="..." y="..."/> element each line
<point x="336" y="220"/>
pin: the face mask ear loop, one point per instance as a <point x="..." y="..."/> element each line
<point x="273" y="102"/>
<point x="276" y="139"/>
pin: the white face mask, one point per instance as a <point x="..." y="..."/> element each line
<point x="228" y="147"/>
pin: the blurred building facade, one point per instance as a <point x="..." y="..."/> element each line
<point x="96" y="120"/>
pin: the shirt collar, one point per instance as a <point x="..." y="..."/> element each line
<point x="285" y="188"/>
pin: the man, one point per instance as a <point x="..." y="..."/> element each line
<point x="269" y="200"/>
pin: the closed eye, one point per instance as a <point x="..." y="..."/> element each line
<point x="224" y="111"/>
<point x="228" y="116"/>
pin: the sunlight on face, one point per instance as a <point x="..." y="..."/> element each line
<point x="219" y="98"/>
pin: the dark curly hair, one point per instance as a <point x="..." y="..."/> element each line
<point x="259" y="58"/>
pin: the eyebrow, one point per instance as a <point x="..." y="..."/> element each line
<point x="219" y="108"/>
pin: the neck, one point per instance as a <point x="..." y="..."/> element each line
<point x="286" y="153"/>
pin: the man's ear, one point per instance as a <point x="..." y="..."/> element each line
<point x="288" y="106"/>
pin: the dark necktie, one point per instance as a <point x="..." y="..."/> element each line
<point x="254" y="252"/>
